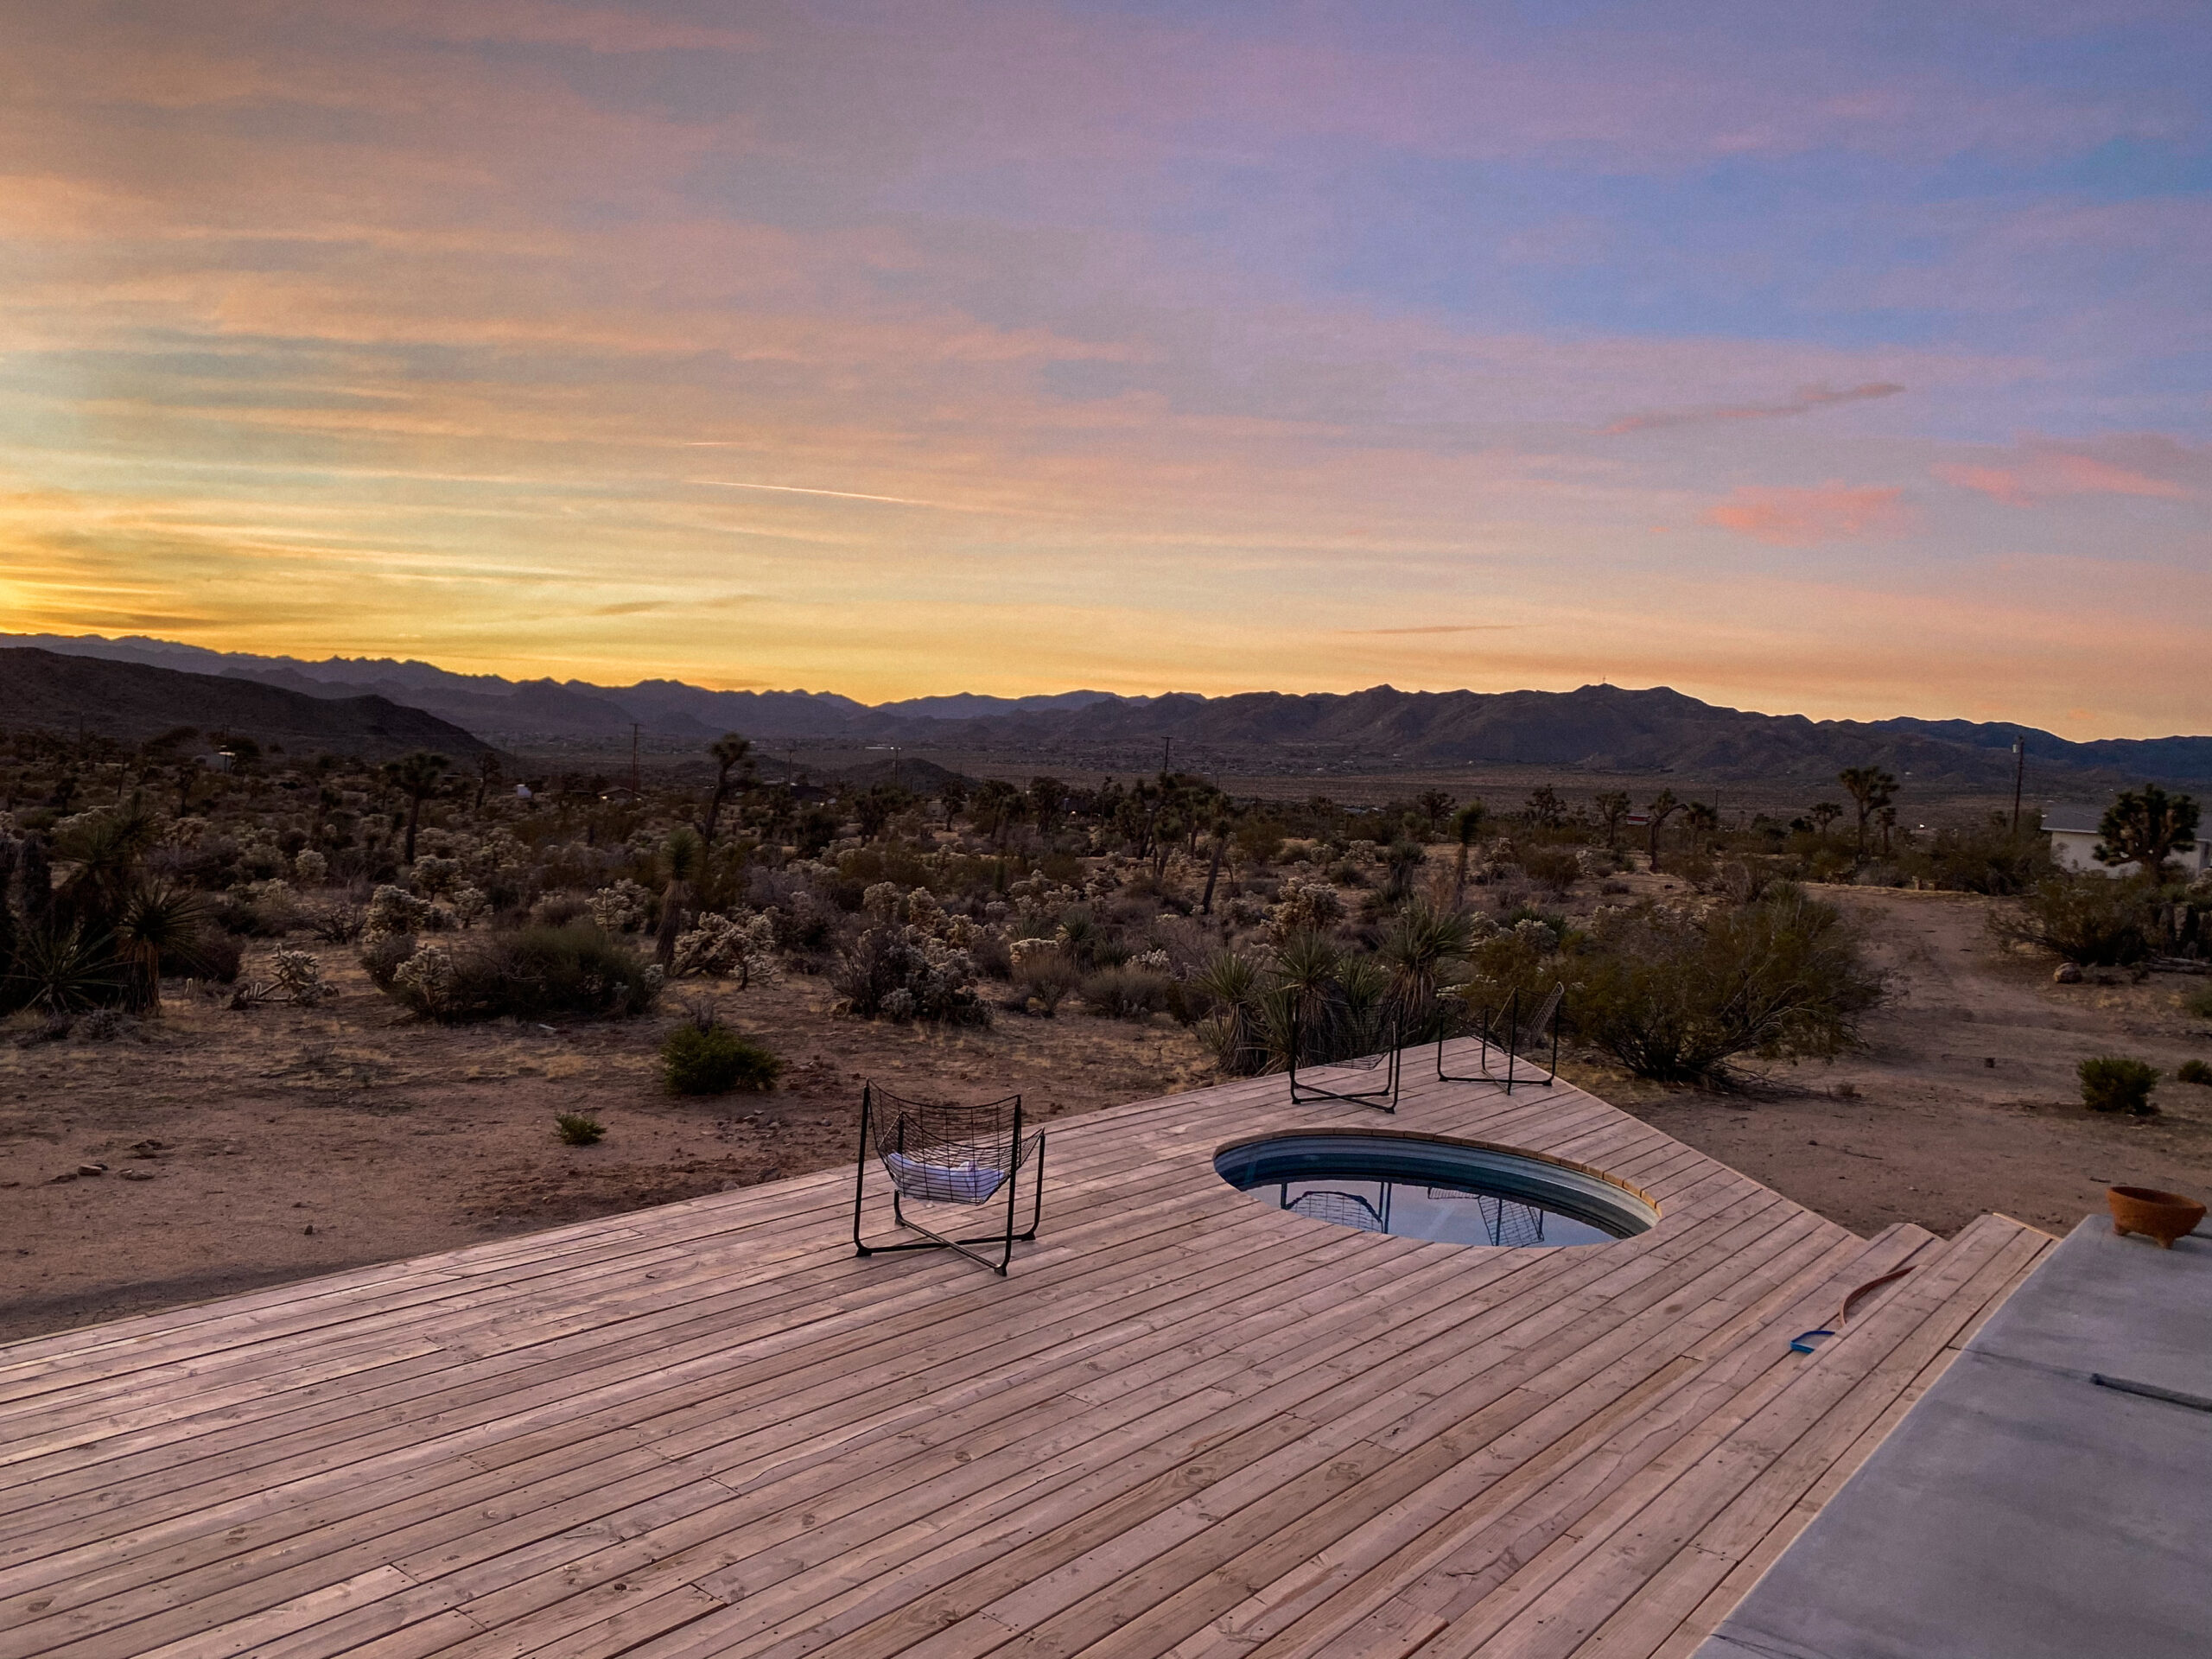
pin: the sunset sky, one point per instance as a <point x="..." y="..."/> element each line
<point x="1841" y="360"/>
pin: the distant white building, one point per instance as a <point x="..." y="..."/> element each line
<point x="2073" y="837"/>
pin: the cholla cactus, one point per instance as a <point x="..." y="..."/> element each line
<point x="436" y="877"/>
<point x="1302" y="906"/>
<point x="1540" y="935"/>
<point x="1154" y="962"/>
<point x="426" y="978"/>
<point x="469" y="904"/>
<point x="881" y="901"/>
<point x="394" y="910"/>
<point x="1028" y="950"/>
<point x="924" y="912"/>
<point x="298" y="978"/>
<point x="183" y="832"/>
<point x="720" y="945"/>
<point x="311" y="867"/>
<point x="621" y="908"/>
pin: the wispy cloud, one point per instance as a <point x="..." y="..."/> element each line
<point x="1789" y="518"/>
<point x="1441" y="627"/>
<point x="2049" y="472"/>
<point x="1803" y="401"/>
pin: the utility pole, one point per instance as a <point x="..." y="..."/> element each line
<point x="1166" y="755"/>
<point x="2019" y="772"/>
<point x="637" y="781"/>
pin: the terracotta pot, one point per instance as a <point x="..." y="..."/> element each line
<point x="2163" y="1216"/>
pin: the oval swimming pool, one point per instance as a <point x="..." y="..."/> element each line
<point x="1418" y="1187"/>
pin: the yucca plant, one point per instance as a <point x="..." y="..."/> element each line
<point x="157" y="920"/>
<point x="1420" y="949"/>
<point x="63" y="970"/>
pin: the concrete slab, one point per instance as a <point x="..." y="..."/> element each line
<point x="2021" y="1510"/>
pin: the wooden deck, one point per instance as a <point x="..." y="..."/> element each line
<point x="1189" y="1423"/>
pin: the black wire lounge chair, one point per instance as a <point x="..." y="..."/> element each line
<point x="940" y="1152"/>
<point x="1515" y="1034"/>
<point x="1383" y="1095"/>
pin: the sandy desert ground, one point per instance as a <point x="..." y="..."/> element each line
<point x="243" y="1149"/>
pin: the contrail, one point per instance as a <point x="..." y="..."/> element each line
<point x="796" y="489"/>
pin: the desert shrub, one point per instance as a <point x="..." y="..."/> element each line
<point x="2096" y="920"/>
<point x="2195" y="1072"/>
<point x="901" y="973"/>
<point x="1554" y="868"/>
<point x="382" y="955"/>
<point x="706" y="1058"/>
<point x="1046" y="977"/>
<point x="2111" y="1083"/>
<point x="1122" y="993"/>
<point x="2198" y="1002"/>
<point x="1677" y="996"/>
<point x="262" y="910"/>
<point x="577" y="1130"/>
<point x="534" y="973"/>
<point x="1987" y="859"/>
<point x="559" y="909"/>
<point x="338" y="923"/>
<point x="991" y="954"/>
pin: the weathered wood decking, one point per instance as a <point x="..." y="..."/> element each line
<point x="1188" y="1424"/>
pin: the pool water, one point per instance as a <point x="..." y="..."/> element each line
<point x="1417" y="1187"/>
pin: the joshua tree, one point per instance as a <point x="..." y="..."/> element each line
<point x="2147" y="826"/>
<point x="1823" y="813"/>
<point x="1701" y="818"/>
<point x="487" y="774"/>
<point x="1046" y="797"/>
<point x="1663" y="806"/>
<point x="685" y="856"/>
<point x="954" y="794"/>
<point x="1544" y="810"/>
<point x="732" y="754"/>
<point x="1223" y="821"/>
<point x="1467" y="826"/>
<point x="417" y="775"/>
<point x="1871" y="789"/>
<point x="1612" y="807"/>
<point x="1887" y="817"/>
<point x="994" y="808"/>
<point x="1435" y="805"/>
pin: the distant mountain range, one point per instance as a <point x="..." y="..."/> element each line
<point x="133" y="701"/>
<point x="1597" y="728"/>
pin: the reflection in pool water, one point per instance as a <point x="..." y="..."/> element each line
<point x="1417" y="1187"/>
<point x="1451" y="1215"/>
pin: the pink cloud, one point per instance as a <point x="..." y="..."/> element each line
<point x="2047" y="473"/>
<point x="1784" y="517"/>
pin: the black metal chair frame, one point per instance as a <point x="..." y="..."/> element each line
<point x="1509" y="1032"/>
<point x="1383" y="1097"/>
<point x="1019" y="1153"/>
